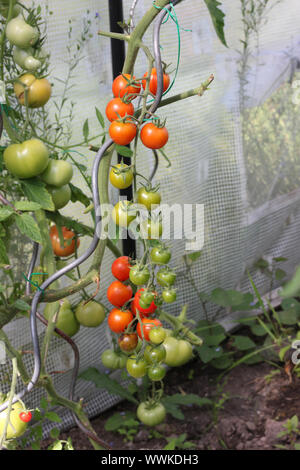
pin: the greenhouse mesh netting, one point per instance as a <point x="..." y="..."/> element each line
<point x="235" y="150"/>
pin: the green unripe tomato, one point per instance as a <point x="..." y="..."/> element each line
<point x="66" y="320"/>
<point x="139" y="275"/>
<point x="16" y="427"/>
<point x="122" y="361"/>
<point x="91" y="314"/>
<point x="58" y="173"/>
<point x="155" y="354"/>
<point x="156" y="372"/>
<point x="26" y="160"/>
<point x="169" y="295"/>
<point x="110" y="359"/>
<point x="60" y="196"/>
<point x="136" y="368"/>
<point x="179" y="352"/>
<point x="151" y="229"/>
<point x="165" y="277"/>
<point x="146" y="298"/>
<point x="4" y="7"/>
<point x="160" y="255"/>
<point x="149" y="199"/>
<point x="151" y="415"/>
<point x="21" y="34"/>
<point x="157" y="335"/>
<point x="25" y="59"/>
<point x="123" y="213"/>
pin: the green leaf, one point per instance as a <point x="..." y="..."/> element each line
<point x="255" y="359"/>
<point x="222" y="362"/>
<point x="118" y="420"/>
<point x="28" y="226"/>
<point x="36" y="191"/>
<point x="172" y="409"/>
<point x="5" y="212"/>
<point x="194" y="256"/>
<point x="78" y="195"/>
<point x="172" y="403"/>
<point x="63" y="221"/>
<point x="280" y="274"/>
<point x="54" y="433"/>
<point x="288" y="317"/>
<point x="280" y="259"/>
<point x="206" y="353"/>
<point x="101" y="380"/>
<point x="86" y="130"/>
<point x="243" y="343"/>
<point x="217" y="17"/>
<point x="21" y="305"/>
<point x="57" y="445"/>
<point x="100" y="118"/>
<point x="259" y="330"/>
<point x="52" y="416"/>
<point x="227" y="298"/>
<point x="3" y="253"/>
<point x="124" y="151"/>
<point x="27" y="206"/>
<point x="292" y="287"/>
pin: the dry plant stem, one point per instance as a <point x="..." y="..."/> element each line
<point x="10" y="399"/>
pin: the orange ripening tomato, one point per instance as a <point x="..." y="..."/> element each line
<point x="154" y="137"/>
<point x="122" y="133"/>
<point x="118" y="293"/>
<point x="69" y="241"/>
<point x="118" y="320"/>
<point x="117" y="108"/>
<point x="148" y="324"/>
<point x="120" y="87"/>
<point x="153" y="81"/>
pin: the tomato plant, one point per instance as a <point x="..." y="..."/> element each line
<point x="136" y="304"/>
<point x="160" y="255"/>
<point x="26" y="160"/>
<point x="154" y="137"/>
<point x="128" y="342"/>
<point x="65" y="318"/>
<point x="122" y="133"/>
<point x="118" y="320"/>
<point x="57" y="173"/>
<point x="139" y="275"/>
<point x="38" y="90"/>
<point x="153" y="81"/>
<point x="147" y="325"/>
<point x="117" y="108"/>
<point x="121" y="86"/>
<point x="121" y="176"/>
<point x="16" y="427"/>
<point x="121" y="268"/>
<point x="90" y="313"/>
<point x="137" y="368"/>
<point x="151" y="414"/>
<point x="25" y="416"/>
<point x="69" y="241"/>
<point x="118" y="293"/>
<point x="148" y="197"/>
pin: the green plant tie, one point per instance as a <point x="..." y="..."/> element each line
<point x="34" y="283"/>
<point x="171" y="13"/>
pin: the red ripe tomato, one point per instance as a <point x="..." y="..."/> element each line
<point x="143" y="311"/>
<point x="120" y="87"/>
<point x="154" y="137"/>
<point x="69" y="246"/>
<point x="122" y="133"/>
<point x="121" y="268"/>
<point x="118" y="320"/>
<point x="117" y="108"/>
<point x="153" y="81"/>
<point x="25" y="416"/>
<point x="148" y="324"/>
<point x="118" y="294"/>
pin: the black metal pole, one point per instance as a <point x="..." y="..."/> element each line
<point x="117" y="59"/>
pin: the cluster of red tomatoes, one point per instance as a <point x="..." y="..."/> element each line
<point x="120" y="112"/>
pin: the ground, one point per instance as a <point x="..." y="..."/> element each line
<point x="250" y="410"/>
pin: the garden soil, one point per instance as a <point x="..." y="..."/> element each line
<point x="251" y="406"/>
